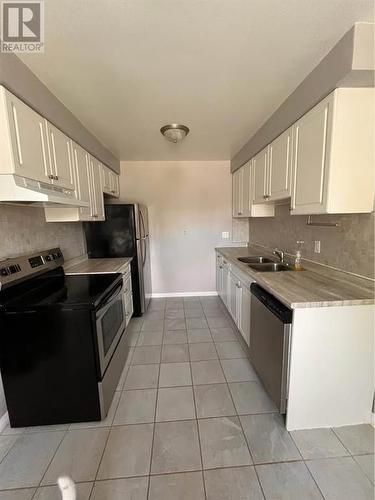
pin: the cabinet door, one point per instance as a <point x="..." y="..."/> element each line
<point x="60" y="157"/>
<point x="29" y="141"/>
<point x="225" y="284"/>
<point x="81" y="160"/>
<point x="106" y="179"/>
<point x="232" y="296"/>
<point x="310" y="135"/>
<point x="260" y="176"/>
<point x="97" y="190"/>
<point x="280" y="166"/>
<point x="237" y="199"/>
<point x="244" y="319"/>
<point x="246" y="189"/>
<point x="114" y="184"/>
<point x="219" y="269"/>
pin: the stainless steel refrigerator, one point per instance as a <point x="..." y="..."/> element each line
<point x="124" y="233"/>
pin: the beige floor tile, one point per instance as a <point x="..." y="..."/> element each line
<point x="223" y="334"/>
<point x="238" y="370"/>
<point x="24" y="494"/>
<point x="28" y="459"/>
<point x="341" y="479"/>
<point x="358" y="439"/>
<point x="146" y="355"/>
<point x="223" y="443"/>
<point x="175" y="337"/>
<point x="175" y="403"/>
<point x="207" y="372"/>
<point x="107" y="422"/>
<point x="176" y="447"/>
<point x="318" y="443"/>
<point x="136" y="407"/>
<point x="174" y="374"/>
<point x="268" y="439"/>
<point x="234" y="483"/>
<point x="53" y="493"/>
<point x="78" y="455"/>
<point x="213" y="400"/>
<point x="250" y="398"/>
<point x="287" y="481"/>
<point x="200" y="335"/>
<point x="142" y="377"/>
<point x="202" y="351"/>
<point x="183" y="486"/>
<point x="230" y="350"/>
<point x="134" y="488"/>
<point x="150" y="338"/>
<point x="196" y="323"/>
<point x="128" y="452"/>
<point x="175" y="324"/>
<point x="174" y="353"/>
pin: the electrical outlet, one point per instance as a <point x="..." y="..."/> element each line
<point x="317" y="246"/>
<point x="225" y="235"/>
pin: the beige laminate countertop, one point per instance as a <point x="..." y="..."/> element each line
<point x="97" y="266"/>
<point x="315" y="286"/>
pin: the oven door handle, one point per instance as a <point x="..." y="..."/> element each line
<point x="113" y="296"/>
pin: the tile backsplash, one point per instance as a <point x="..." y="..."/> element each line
<point x="349" y="247"/>
<point x="23" y="230"/>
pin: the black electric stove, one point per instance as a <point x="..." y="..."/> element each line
<point x="55" y="289"/>
<point x="62" y="340"/>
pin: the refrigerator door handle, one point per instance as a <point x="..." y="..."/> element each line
<point x="143" y="230"/>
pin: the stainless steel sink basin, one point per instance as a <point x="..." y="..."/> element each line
<point x="256" y="259"/>
<point x="271" y="267"/>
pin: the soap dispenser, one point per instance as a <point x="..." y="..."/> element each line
<point x="298" y="258"/>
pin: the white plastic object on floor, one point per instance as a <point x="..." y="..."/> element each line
<point x="67" y="488"/>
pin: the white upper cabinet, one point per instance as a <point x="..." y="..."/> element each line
<point x="334" y="155"/>
<point x="110" y="181"/>
<point x="26" y="154"/>
<point x="97" y="200"/>
<point x="260" y="176"/>
<point x="243" y="193"/>
<point x="237" y="193"/>
<point x="280" y="167"/>
<point x="60" y="157"/>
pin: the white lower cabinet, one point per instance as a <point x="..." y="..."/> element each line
<point x="244" y="311"/>
<point x="235" y="293"/>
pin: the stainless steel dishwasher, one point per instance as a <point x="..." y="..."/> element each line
<point x="269" y="343"/>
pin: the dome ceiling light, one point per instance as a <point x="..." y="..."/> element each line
<point x="174" y="132"/>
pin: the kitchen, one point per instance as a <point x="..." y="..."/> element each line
<point x="186" y="311"/>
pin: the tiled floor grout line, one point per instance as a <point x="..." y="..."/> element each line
<point x="242" y="429"/>
<point x="154" y="427"/>
<point x="50" y="462"/>
<point x="198" y="431"/>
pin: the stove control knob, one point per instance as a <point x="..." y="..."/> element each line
<point x="4" y="271"/>
<point x="48" y="258"/>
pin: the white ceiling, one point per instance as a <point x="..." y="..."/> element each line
<point x="127" y="67"/>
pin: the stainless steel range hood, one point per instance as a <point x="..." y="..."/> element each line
<point x="20" y="190"/>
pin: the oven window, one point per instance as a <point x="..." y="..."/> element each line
<point x="111" y="322"/>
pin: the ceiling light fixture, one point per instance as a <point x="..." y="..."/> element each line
<point x="174" y="132"/>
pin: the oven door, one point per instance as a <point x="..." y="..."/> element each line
<point x="110" y="324"/>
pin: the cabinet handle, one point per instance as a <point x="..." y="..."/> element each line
<point x="56" y="177"/>
<point x="51" y="176"/>
<point x="239" y="213"/>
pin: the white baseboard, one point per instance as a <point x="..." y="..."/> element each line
<point x="183" y="294"/>
<point x="4" y="421"/>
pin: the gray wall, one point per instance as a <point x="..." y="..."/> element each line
<point x="20" y="80"/>
<point x="24" y="230"/>
<point x="350" y="63"/>
<point x="349" y="247"/>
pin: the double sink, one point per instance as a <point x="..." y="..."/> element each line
<point x="265" y="265"/>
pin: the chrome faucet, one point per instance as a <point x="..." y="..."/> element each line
<point x="279" y="254"/>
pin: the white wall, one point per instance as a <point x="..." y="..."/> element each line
<point x="189" y="206"/>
